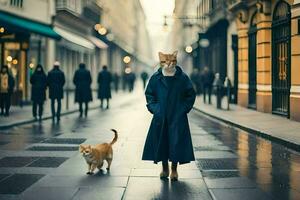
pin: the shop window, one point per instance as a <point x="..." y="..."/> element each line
<point x="16" y="3"/>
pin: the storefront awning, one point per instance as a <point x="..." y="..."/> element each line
<point x="28" y="25"/>
<point x="98" y="43"/>
<point x="74" y="38"/>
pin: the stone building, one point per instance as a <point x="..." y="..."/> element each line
<point x="269" y="55"/>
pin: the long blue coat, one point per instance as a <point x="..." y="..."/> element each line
<point x="56" y="81"/>
<point x="169" y="136"/>
<point x="82" y="80"/>
<point x="104" y="81"/>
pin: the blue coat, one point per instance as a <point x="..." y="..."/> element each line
<point x="83" y="80"/>
<point x="169" y="136"/>
<point x="38" y="81"/>
<point x="56" y="81"/>
<point x="104" y="80"/>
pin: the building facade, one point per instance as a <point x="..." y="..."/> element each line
<point x="184" y="33"/>
<point x="25" y="34"/>
<point x="268" y="34"/>
<point x="43" y="31"/>
<point x="212" y="36"/>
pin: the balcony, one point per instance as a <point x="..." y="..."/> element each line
<point x="72" y="6"/>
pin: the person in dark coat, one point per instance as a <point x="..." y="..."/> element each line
<point x="83" y="93"/>
<point x="207" y="78"/>
<point x="131" y="80"/>
<point x="104" y="90"/>
<point x="7" y="85"/>
<point x="56" y="81"/>
<point x="38" y="81"/>
<point x="196" y="80"/>
<point x="116" y="80"/>
<point x="169" y="99"/>
<point x="144" y="77"/>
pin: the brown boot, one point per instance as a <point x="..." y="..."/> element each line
<point x="165" y="170"/>
<point x="174" y="174"/>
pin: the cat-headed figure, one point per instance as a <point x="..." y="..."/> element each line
<point x="168" y="63"/>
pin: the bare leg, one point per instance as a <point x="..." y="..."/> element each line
<point x="174" y="174"/>
<point x="165" y="170"/>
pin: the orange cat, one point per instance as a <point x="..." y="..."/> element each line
<point x="95" y="155"/>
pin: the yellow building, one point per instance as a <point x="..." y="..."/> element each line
<point x="269" y="55"/>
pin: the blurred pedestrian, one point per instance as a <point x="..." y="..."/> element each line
<point x="116" y="79"/>
<point x="207" y="79"/>
<point x="104" y="90"/>
<point x="38" y="81"/>
<point x="196" y="79"/>
<point x="170" y="97"/>
<point x="131" y="81"/>
<point x="218" y="86"/>
<point x="83" y="92"/>
<point x="144" y="77"/>
<point x="7" y="84"/>
<point x="56" y="82"/>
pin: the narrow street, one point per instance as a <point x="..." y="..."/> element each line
<point x="42" y="161"/>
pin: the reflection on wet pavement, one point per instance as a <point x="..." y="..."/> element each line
<point x="273" y="167"/>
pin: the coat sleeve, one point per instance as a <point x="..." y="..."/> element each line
<point x="189" y="95"/>
<point x="63" y="79"/>
<point x="151" y="97"/>
<point x="75" y="78"/>
<point x="99" y="78"/>
<point x="89" y="78"/>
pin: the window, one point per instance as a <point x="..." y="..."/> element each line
<point x="16" y="3"/>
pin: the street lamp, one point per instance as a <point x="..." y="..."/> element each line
<point x="126" y="59"/>
<point x="100" y="29"/>
<point x="189" y="49"/>
<point x="189" y="21"/>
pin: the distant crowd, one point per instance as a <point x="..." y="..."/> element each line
<point x="55" y="81"/>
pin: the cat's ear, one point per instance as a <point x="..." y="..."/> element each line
<point x="81" y="148"/>
<point x="90" y="147"/>
<point x="175" y="53"/>
<point x="160" y="55"/>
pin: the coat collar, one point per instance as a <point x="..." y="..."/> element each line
<point x="176" y="76"/>
<point x="177" y="73"/>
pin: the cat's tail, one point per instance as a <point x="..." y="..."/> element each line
<point x="115" y="138"/>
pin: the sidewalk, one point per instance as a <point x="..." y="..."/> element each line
<point x="23" y="115"/>
<point x="272" y="127"/>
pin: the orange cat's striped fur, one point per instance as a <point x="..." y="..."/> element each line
<point x="95" y="155"/>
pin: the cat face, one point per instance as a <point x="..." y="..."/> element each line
<point x="85" y="150"/>
<point x="168" y="60"/>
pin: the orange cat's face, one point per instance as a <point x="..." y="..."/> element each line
<point x="86" y="150"/>
<point x="168" y="60"/>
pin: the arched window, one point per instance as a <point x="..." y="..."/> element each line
<point x="252" y="34"/>
<point x="281" y="59"/>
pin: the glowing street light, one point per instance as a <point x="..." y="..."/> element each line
<point x="9" y="59"/>
<point x="189" y="49"/>
<point x="97" y="26"/>
<point x="126" y="59"/>
<point x="2" y="29"/>
<point x="14" y="61"/>
<point x="102" y="31"/>
<point x="128" y="70"/>
<point x="31" y="65"/>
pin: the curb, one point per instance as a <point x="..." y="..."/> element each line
<point x="264" y="135"/>
<point x="3" y="127"/>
